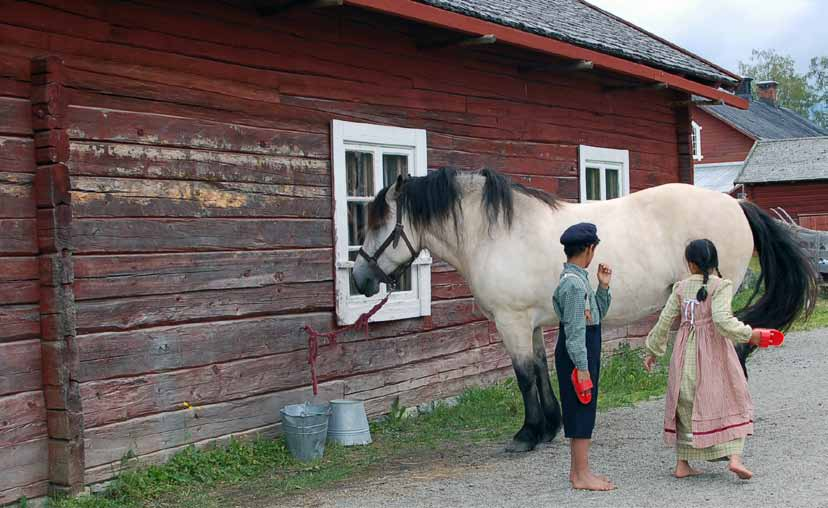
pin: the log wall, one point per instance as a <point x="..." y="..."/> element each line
<point x="201" y="211"/>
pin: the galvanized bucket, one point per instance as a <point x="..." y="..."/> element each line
<point x="349" y="424"/>
<point x="306" y="427"/>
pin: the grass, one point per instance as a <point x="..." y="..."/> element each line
<point x="203" y="477"/>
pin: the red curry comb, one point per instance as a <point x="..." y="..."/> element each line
<point x="769" y="338"/>
<point x="582" y="390"/>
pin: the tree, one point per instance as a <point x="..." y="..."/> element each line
<point x="806" y="94"/>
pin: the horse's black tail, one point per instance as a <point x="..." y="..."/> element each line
<point x="789" y="278"/>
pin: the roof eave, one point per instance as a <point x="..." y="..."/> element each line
<point x="435" y="16"/>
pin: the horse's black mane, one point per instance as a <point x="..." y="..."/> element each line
<point x="433" y="198"/>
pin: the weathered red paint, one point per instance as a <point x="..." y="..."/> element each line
<point x="800" y="199"/>
<point x="720" y="141"/>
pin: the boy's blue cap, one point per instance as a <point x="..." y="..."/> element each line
<point x="580" y="234"/>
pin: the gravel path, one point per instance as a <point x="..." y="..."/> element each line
<point x="788" y="454"/>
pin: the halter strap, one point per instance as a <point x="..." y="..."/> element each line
<point x="391" y="279"/>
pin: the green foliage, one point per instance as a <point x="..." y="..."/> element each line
<point x="806" y="94"/>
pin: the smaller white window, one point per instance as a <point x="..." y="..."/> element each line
<point x="696" y="136"/>
<point x="367" y="158"/>
<point x="605" y="173"/>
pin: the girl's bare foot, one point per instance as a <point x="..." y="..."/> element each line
<point x="739" y="469"/>
<point x="590" y="481"/>
<point x="683" y="470"/>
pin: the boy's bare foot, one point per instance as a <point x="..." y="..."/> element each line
<point x="683" y="470"/>
<point x="740" y="470"/>
<point x="590" y="481"/>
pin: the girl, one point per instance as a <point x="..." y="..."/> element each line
<point x="709" y="410"/>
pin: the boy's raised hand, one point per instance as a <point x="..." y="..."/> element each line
<point x="604" y="275"/>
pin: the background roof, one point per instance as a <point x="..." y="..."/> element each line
<point x="786" y="160"/>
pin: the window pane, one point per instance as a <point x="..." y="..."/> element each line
<point x="593" y="184"/>
<point x="393" y="165"/>
<point x="357" y="219"/>
<point x="405" y="280"/>
<point x="360" y="179"/>
<point x="352" y="256"/>
<point x="613" y="184"/>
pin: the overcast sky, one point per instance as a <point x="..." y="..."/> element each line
<point x="725" y="31"/>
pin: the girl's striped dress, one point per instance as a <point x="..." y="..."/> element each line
<point x="709" y="410"/>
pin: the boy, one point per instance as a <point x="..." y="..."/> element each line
<point x="580" y="310"/>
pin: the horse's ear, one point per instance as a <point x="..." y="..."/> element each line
<point x="399" y="184"/>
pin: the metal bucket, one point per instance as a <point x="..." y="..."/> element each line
<point x="306" y="427"/>
<point x="349" y="424"/>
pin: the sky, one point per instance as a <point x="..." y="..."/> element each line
<point x="725" y="31"/>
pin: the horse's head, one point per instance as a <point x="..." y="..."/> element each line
<point x="390" y="244"/>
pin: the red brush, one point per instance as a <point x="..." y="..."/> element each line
<point x="582" y="390"/>
<point x="769" y="338"/>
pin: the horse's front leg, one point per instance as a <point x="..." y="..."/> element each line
<point x="516" y="334"/>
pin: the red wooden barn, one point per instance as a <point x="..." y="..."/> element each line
<point x="181" y="185"/>
<point x="791" y="174"/>
<point x="723" y="135"/>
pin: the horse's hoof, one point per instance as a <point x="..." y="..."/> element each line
<point x="516" y="446"/>
<point x="548" y="437"/>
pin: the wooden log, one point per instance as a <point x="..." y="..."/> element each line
<point x="23" y="464"/>
<point x="159" y="310"/>
<point x="23" y="417"/>
<point x="151" y="274"/>
<point x="95" y="124"/>
<point x="18" y="280"/>
<point x="448" y="285"/>
<point x="16" y="154"/>
<point x="129" y="197"/>
<point x="116" y="354"/>
<point x="109" y="444"/>
<point x="20" y="366"/>
<point x="15" y="117"/>
<point x="31" y="491"/>
<point x="186" y="235"/>
<point x="19" y="322"/>
<point x="112" y="400"/>
<point x="153" y="162"/>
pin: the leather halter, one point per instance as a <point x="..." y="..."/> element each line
<point x="391" y="279"/>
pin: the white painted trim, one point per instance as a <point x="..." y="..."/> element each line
<point x="377" y="139"/>
<point x="717" y="164"/>
<point x="604" y="158"/>
<point x="697" y="145"/>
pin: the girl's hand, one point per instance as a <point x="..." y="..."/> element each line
<point x="583" y="376"/>
<point x="604" y="275"/>
<point x="649" y="363"/>
<point x="755" y="337"/>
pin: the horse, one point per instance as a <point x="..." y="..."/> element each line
<point x="503" y="239"/>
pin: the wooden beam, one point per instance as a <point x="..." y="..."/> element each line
<point x="688" y="102"/>
<point x="558" y="68"/>
<point x="459" y="42"/>
<point x="415" y="11"/>
<point x="270" y="10"/>
<point x="642" y="86"/>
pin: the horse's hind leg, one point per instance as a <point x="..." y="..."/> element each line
<point x="517" y="337"/>
<point x="549" y="404"/>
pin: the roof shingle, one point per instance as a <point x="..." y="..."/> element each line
<point x="582" y="24"/>
<point x="764" y="121"/>
<point x="786" y="160"/>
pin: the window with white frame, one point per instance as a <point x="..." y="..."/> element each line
<point x="696" y="136"/>
<point x="605" y="173"/>
<point x="367" y="158"/>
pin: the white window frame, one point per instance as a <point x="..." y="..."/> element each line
<point x="378" y="139"/>
<point x="697" y="146"/>
<point x="603" y="159"/>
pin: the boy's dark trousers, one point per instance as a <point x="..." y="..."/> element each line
<point x="578" y="419"/>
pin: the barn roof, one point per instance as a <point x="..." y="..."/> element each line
<point x="786" y="160"/>
<point x="765" y="121"/>
<point x="582" y="24"/>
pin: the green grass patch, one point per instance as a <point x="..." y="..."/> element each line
<point x="201" y="477"/>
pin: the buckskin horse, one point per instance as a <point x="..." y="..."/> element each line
<point x="503" y="238"/>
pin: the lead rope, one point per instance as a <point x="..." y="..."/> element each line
<point x="313" y="338"/>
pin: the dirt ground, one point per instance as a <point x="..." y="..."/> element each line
<point x="788" y="454"/>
